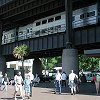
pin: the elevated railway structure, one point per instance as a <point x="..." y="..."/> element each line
<point x="50" y="28"/>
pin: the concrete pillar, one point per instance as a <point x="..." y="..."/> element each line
<point x="2" y="58"/>
<point x="37" y="66"/>
<point x="70" y="60"/>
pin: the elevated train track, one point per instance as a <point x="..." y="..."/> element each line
<point x="18" y="14"/>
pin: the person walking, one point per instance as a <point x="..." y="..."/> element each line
<point x="18" y="84"/>
<point x="1" y="80"/>
<point x="63" y="78"/>
<point x="36" y="80"/>
<point x="58" y="83"/>
<point x="72" y="85"/>
<point x="31" y="79"/>
<point x="96" y="79"/>
<point x="27" y="83"/>
<point x="5" y="81"/>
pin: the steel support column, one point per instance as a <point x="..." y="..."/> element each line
<point x="2" y="58"/>
<point x="69" y="55"/>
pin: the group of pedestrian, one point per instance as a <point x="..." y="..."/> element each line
<point x="24" y="86"/>
<point x="60" y="81"/>
<point x="27" y="83"/>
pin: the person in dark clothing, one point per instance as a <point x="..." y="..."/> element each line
<point x="5" y="81"/>
<point x="63" y="77"/>
<point x="1" y="78"/>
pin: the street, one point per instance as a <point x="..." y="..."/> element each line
<point x="45" y="91"/>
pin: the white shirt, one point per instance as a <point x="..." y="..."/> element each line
<point x="72" y="76"/>
<point x="63" y="77"/>
<point x="18" y="79"/>
<point x="31" y="76"/>
<point x="58" y="76"/>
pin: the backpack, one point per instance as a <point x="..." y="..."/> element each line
<point x="94" y="78"/>
<point x="75" y="80"/>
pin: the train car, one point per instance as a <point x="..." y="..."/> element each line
<point x="55" y="24"/>
<point x="8" y="36"/>
<point x="50" y="25"/>
<point x="25" y="32"/>
<point x="85" y="16"/>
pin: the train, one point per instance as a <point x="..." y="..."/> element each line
<point x="56" y="23"/>
<point x="9" y="36"/>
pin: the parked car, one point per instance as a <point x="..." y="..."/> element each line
<point x="44" y="78"/>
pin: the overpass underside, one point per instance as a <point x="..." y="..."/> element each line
<point x="68" y="43"/>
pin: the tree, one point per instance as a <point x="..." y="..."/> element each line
<point x="20" y="52"/>
<point x="88" y="63"/>
<point x="49" y="62"/>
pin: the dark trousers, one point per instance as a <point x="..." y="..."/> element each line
<point x="31" y="89"/>
<point x="57" y="86"/>
<point x="63" y="83"/>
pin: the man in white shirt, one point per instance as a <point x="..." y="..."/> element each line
<point x="58" y="82"/>
<point x="18" y="84"/>
<point x="72" y="84"/>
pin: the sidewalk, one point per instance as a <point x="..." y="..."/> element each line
<point x="46" y="92"/>
<point x="7" y="95"/>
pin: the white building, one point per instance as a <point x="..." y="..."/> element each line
<point x="28" y="64"/>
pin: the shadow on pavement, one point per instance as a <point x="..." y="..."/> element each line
<point x="6" y="99"/>
<point x="84" y="88"/>
<point x="18" y="98"/>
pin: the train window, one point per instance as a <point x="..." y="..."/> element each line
<point x="50" y="20"/>
<point x="20" y="33"/>
<point x="12" y="35"/>
<point x="31" y="30"/>
<point x="44" y="21"/>
<point x="56" y="28"/>
<point x="82" y="16"/>
<point x="37" y="32"/>
<point x="44" y="31"/>
<point x="91" y="14"/>
<point x="5" y="36"/>
<point x="57" y="18"/>
<point x="38" y="23"/>
<point x="88" y="15"/>
<point x="50" y="29"/>
<point x="27" y="30"/>
<point x="73" y="18"/>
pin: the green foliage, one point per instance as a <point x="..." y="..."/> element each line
<point x="88" y="63"/>
<point x="21" y="51"/>
<point x="49" y="62"/>
<point x="85" y="62"/>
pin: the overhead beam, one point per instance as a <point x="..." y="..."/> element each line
<point x="93" y="52"/>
